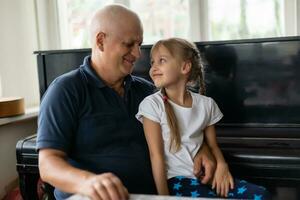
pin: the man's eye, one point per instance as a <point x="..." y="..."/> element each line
<point x="129" y="44"/>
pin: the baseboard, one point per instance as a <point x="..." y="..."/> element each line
<point x="10" y="187"/>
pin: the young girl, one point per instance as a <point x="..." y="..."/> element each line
<point x="176" y="121"/>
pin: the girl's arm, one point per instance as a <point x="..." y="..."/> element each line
<point x="211" y="140"/>
<point x="222" y="179"/>
<point x="156" y="148"/>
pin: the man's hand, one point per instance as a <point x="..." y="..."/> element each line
<point x="204" y="164"/>
<point x="55" y="170"/>
<point x="104" y="186"/>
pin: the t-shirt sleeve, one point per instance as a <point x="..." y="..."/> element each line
<point x="150" y="109"/>
<point x="57" y="119"/>
<point x="215" y="113"/>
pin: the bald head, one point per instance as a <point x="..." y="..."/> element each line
<point x="112" y="19"/>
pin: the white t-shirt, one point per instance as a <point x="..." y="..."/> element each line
<point x="192" y="121"/>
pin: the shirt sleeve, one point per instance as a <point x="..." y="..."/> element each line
<point x="57" y="120"/>
<point x="215" y="113"/>
<point x="150" y="109"/>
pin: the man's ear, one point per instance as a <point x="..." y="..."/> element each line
<point x="100" y="40"/>
<point x="186" y="67"/>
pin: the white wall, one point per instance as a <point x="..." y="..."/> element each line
<point x="18" y="40"/>
<point x="18" y="73"/>
<point x="9" y="135"/>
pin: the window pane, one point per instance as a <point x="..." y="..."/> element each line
<point x="75" y="31"/>
<point x="245" y="19"/>
<point x="162" y="18"/>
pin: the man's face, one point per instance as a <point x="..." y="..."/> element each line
<point x="122" y="48"/>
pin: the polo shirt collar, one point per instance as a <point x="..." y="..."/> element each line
<point x="93" y="78"/>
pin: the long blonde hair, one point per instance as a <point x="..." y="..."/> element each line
<point x="185" y="51"/>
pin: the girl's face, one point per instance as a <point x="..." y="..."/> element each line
<point x="165" y="69"/>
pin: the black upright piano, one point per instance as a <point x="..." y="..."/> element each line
<point x="256" y="83"/>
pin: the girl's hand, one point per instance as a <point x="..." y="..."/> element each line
<point x="223" y="180"/>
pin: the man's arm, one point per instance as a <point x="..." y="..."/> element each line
<point x="204" y="164"/>
<point x="55" y="170"/>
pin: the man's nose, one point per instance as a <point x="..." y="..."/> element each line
<point x="136" y="51"/>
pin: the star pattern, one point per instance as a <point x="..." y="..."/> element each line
<point x="241" y="190"/>
<point x="257" y="197"/>
<point x="178" y="194"/>
<point x="183" y="186"/>
<point x="230" y="194"/>
<point x="195" y="194"/>
<point x="177" y="186"/>
<point x="180" y="177"/>
<point x="194" y="182"/>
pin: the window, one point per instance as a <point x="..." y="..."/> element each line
<point x="162" y="18"/>
<point x="74" y="21"/>
<point x="192" y="19"/>
<point x="245" y="19"/>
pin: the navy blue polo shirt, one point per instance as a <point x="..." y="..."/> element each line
<point x="96" y="127"/>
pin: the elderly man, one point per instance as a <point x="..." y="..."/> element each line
<point x="89" y="141"/>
